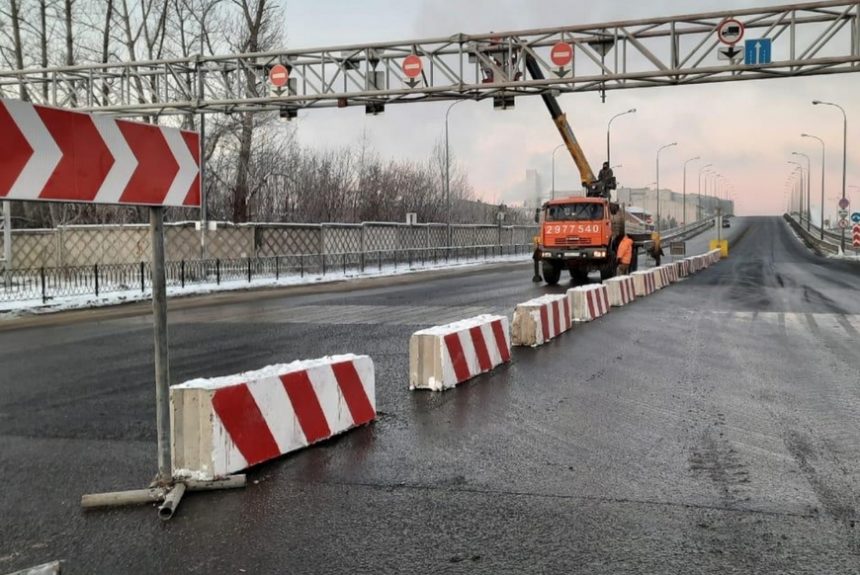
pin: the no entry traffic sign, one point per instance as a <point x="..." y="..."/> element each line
<point x="53" y="155"/>
<point x="561" y="54"/>
<point x="730" y="31"/>
<point x="279" y="75"/>
<point x="412" y="66"/>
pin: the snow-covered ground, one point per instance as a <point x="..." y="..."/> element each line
<point x="35" y="306"/>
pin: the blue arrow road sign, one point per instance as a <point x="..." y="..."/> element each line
<point x="855" y="217"/>
<point x="757" y="51"/>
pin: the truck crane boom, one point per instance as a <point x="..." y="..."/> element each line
<point x="586" y="175"/>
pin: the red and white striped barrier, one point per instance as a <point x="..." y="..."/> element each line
<point x="671" y="273"/>
<point x="715" y="255"/>
<point x="621" y="290"/>
<point x="643" y="283"/>
<point x="541" y="319"/>
<point x="682" y="269"/>
<point x="226" y="424"/>
<point x="588" y="302"/>
<point x="661" y="274"/>
<point x="441" y="357"/>
<point x="695" y="264"/>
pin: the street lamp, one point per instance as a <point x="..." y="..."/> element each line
<point x="684" y="201"/>
<point x="448" y="171"/>
<point x="557" y="148"/>
<point x="793" y="182"/>
<point x="658" y="181"/>
<point x="808" y="174"/>
<point x="609" y="125"/>
<point x="800" y="200"/>
<point x="844" y="154"/>
<point x="820" y="141"/>
<point x="699" y="199"/>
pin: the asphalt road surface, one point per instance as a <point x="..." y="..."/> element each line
<point x="713" y="427"/>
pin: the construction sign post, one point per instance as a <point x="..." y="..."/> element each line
<point x="54" y="155"/>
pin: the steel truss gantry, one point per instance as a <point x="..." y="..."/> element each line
<point x="808" y="39"/>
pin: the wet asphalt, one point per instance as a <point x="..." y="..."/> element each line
<point x="713" y="427"/>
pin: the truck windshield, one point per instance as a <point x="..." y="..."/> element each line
<point x="576" y="212"/>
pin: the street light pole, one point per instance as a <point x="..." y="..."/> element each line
<point x="844" y="155"/>
<point x="658" y="181"/>
<point x="800" y="199"/>
<point x="609" y="125"/>
<point x="684" y="200"/>
<point x="702" y="170"/>
<point x="448" y="172"/>
<point x="557" y="148"/>
<point x="820" y="141"/>
<point x="808" y="175"/>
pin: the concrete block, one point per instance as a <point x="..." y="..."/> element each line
<point x="588" y="302"/>
<point x="226" y="424"/>
<point x="644" y="283"/>
<point x="621" y="290"/>
<point x="539" y="320"/>
<point x="443" y="356"/>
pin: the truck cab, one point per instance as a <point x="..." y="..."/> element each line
<point x="577" y="234"/>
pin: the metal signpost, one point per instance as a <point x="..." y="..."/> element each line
<point x="49" y="154"/>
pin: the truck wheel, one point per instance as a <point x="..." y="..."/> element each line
<point x="579" y="276"/>
<point x="610" y="269"/>
<point x="551" y="273"/>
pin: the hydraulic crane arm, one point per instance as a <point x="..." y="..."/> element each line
<point x="560" y="119"/>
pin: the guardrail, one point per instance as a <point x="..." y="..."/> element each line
<point x="812" y="235"/>
<point x="688" y="231"/>
<point x="46" y="283"/>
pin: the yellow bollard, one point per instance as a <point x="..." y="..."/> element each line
<point x="722" y="245"/>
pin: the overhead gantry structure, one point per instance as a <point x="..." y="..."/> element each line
<point x="807" y="39"/>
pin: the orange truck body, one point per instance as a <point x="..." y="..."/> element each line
<point x="577" y="235"/>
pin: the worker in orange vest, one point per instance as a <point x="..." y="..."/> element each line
<point x="625" y="255"/>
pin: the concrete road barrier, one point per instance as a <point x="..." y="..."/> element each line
<point x="539" y="320"/>
<point x="657" y="274"/>
<point x="588" y="302"/>
<point x="671" y="272"/>
<point x="443" y="356"/>
<point x="682" y="269"/>
<point x="643" y="283"/>
<point x="621" y="290"/>
<point x="226" y="424"/>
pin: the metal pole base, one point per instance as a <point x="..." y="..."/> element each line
<point x="169" y="496"/>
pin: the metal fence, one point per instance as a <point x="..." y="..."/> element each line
<point x="122" y="244"/>
<point x="46" y="283"/>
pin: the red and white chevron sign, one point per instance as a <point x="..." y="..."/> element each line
<point x="54" y="155"/>
<point x="856" y="243"/>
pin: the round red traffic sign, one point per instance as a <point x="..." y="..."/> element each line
<point x="412" y="66"/>
<point x="278" y="75"/>
<point x="730" y="31"/>
<point x="561" y="54"/>
<point x="844" y="203"/>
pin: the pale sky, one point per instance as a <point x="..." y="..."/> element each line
<point x="746" y="129"/>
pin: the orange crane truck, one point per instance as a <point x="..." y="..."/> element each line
<point x="579" y="233"/>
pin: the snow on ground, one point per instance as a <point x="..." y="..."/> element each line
<point x="35" y="306"/>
